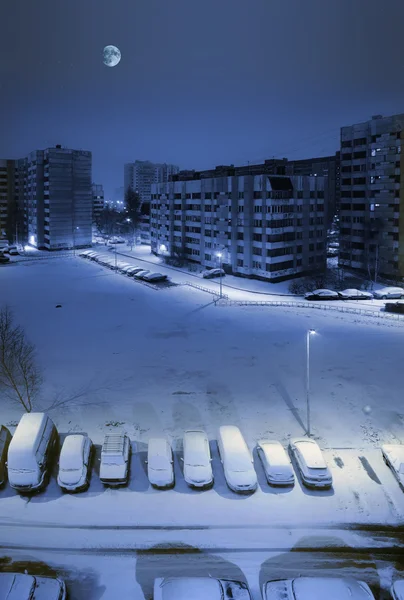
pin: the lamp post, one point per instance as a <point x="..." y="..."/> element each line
<point x="308" y="334"/>
<point x="219" y="255"/>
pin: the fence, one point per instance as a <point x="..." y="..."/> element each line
<point x="288" y="303"/>
<point x="204" y="289"/>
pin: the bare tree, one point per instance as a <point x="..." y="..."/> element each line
<point x="20" y="375"/>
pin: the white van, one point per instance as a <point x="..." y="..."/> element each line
<point x="30" y="452"/>
<point x="236" y="459"/>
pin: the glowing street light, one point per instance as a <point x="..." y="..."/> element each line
<point x="163" y="248"/>
<point x="219" y="255"/>
<point x="308" y="334"/>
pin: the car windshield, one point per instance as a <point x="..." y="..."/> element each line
<point x="159" y="463"/>
<point x="198" y="459"/>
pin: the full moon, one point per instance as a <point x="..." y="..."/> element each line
<point x="112" y="56"/>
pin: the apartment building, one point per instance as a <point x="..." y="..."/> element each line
<point x="11" y="202"/>
<point x="98" y="200"/>
<point x="141" y="174"/>
<point x="270" y="227"/>
<point x="372" y="198"/>
<point x="58" y="198"/>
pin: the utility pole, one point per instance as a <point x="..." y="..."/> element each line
<point x="309" y="332"/>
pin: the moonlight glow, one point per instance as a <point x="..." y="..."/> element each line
<point x="111" y="55"/>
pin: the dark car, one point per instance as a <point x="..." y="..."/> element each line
<point x="211" y="273"/>
<point x="4" y="258"/>
<point x="395" y="307"/>
<point x="322" y="295"/>
<point x="5" y="439"/>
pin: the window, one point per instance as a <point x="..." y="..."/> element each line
<point x="207" y="257"/>
<point x="311" y="247"/>
<point x="208" y="195"/>
<point x="361" y="154"/>
<point x="240" y="262"/>
<point x="256" y="264"/>
<point x="299" y="262"/>
<point x="257" y="237"/>
<point x="240" y="235"/>
<point x="257" y="251"/>
<point x="240" y="249"/>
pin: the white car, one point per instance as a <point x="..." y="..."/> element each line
<point x="276" y="463"/>
<point x="160" y="463"/>
<point x="389" y="292"/>
<point x="75" y="463"/>
<point x="84" y="253"/>
<point x="133" y="270"/>
<point x="21" y="586"/>
<point x="13" y="251"/>
<point x="141" y="274"/>
<point x="310" y="462"/>
<point x="115" y="459"/>
<point x="317" y="588"/>
<point x="154" y="277"/>
<point x="197" y="459"/>
<point x="393" y="456"/>
<point x="236" y="459"/>
<point x="199" y="588"/>
<point x="352" y="294"/>
<point x="122" y="267"/>
<point x="210" y="273"/>
<point x="397" y="590"/>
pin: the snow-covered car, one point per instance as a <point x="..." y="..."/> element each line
<point x="393" y="456"/>
<point x="122" y="266"/>
<point x="236" y="459"/>
<point x="310" y="462"/>
<point x="75" y="463"/>
<point x="397" y="590"/>
<point x="322" y="295"/>
<point x="115" y="459"/>
<point x="395" y="307"/>
<point x="160" y="462"/>
<point x="316" y="588"/>
<point x="197" y="459"/>
<point x="199" y="588"/>
<point x="85" y="253"/>
<point x="93" y="256"/>
<point x="211" y="273"/>
<point x="353" y="294"/>
<point x="389" y="292"/>
<point x="5" y="439"/>
<point x="13" y="251"/>
<point x="133" y="270"/>
<point x="155" y="277"/>
<point x="21" y="586"/>
<point x="141" y="274"/>
<point x="276" y="463"/>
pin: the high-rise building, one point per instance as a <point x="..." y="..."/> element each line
<point x="11" y="202"/>
<point x="266" y="226"/>
<point x="141" y="174"/>
<point x="98" y="200"/>
<point x="372" y="197"/>
<point x="58" y="198"/>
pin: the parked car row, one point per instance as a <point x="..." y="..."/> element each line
<point x="353" y="294"/>
<point x="123" y="267"/>
<point x="28" y="456"/>
<point x="22" y="586"/>
<point x="11" y="250"/>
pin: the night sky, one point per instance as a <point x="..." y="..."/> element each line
<point x="200" y="83"/>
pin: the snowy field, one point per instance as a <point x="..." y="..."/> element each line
<point x="119" y="355"/>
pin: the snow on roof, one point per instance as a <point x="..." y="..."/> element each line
<point x="311" y="453"/>
<point x="113" y="443"/>
<point x="15" y="586"/>
<point x="275" y="451"/>
<point x="397" y="450"/>
<point x="332" y="588"/>
<point x="26" y="438"/>
<point x="398" y="588"/>
<point x="72" y="452"/>
<point x="186" y="588"/>
<point x="158" y="446"/>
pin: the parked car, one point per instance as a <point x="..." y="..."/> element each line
<point x="84" y="253"/>
<point x="322" y="295"/>
<point x="5" y="439"/>
<point x="236" y="459"/>
<point x="133" y="270"/>
<point x="352" y="294"/>
<point x="141" y="274"/>
<point x="389" y="292"/>
<point x="160" y="463"/>
<point x="92" y="256"/>
<point x="395" y="307"/>
<point x="21" y="586"/>
<point x="316" y="588"/>
<point x="199" y="588"/>
<point x="310" y="462"/>
<point x="393" y="456"/>
<point x="122" y="266"/>
<point x="197" y="459"/>
<point x="155" y="277"/>
<point x="397" y="590"/>
<point x="75" y="463"/>
<point x="126" y="268"/>
<point x="4" y="258"/>
<point x="211" y="273"/>
<point x="115" y="459"/>
<point x="13" y="251"/>
<point x="276" y="463"/>
<point x="31" y="451"/>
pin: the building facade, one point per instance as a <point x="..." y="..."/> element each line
<point x="372" y="197"/>
<point x="270" y="227"/>
<point x="98" y="200"/>
<point x="12" y="226"/>
<point x="141" y="174"/>
<point x="58" y="198"/>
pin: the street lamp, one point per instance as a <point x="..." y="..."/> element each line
<point x="308" y="334"/>
<point x="219" y="255"/>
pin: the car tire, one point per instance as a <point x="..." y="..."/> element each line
<point x="384" y="297"/>
<point x="401" y="297"/>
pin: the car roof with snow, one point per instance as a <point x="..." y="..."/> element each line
<point x="187" y="588"/>
<point x="27" y="434"/>
<point x="311" y="453"/>
<point x="158" y="446"/>
<point x="114" y="444"/>
<point x="332" y="588"/>
<point x="398" y="588"/>
<point x="397" y="450"/>
<point x="16" y="586"/>
<point x="351" y="291"/>
<point x="275" y="451"/>
<point x="323" y="290"/>
<point x="72" y="452"/>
